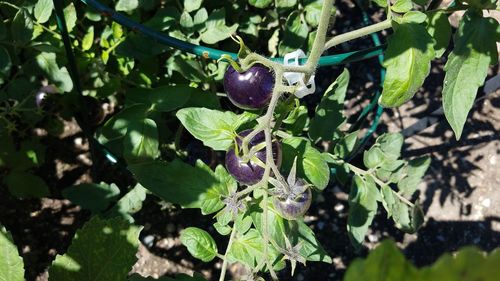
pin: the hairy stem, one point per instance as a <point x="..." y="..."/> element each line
<point x="339" y="39"/>
<point x="224" y="263"/>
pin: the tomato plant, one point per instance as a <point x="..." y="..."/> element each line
<point x="269" y="152"/>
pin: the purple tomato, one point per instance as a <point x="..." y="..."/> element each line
<point x="42" y="97"/>
<point x="294" y="203"/>
<point x="249" y="172"/>
<point x="251" y="89"/>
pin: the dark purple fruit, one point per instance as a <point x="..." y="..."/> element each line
<point x="251" y="89"/>
<point x="249" y="172"/>
<point x="294" y="203"/>
<point x="44" y="98"/>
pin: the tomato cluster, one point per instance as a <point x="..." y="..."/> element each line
<point x="251" y="90"/>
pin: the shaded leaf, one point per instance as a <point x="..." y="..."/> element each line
<point x="141" y="141"/>
<point x="217" y="30"/>
<point x="180" y="183"/>
<point x="101" y="250"/>
<point x="26" y="185"/>
<point x="362" y="208"/>
<point x="22" y="27"/>
<point x="384" y="263"/>
<point x="59" y="76"/>
<point x="329" y="114"/>
<point x="295" y="34"/>
<point x="129" y="204"/>
<point x="311" y="164"/>
<point x="439" y="28"/>
<point x="92" y="196"/>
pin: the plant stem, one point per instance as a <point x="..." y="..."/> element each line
<point x="406" y="201"/>
<point x="359" y="171"/>
<point x="319" y="40"/>
<point x="229" y="244"/>
<point x="339" y="39"/>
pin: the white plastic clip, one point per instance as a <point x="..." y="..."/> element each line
<point x="295" y="78"/>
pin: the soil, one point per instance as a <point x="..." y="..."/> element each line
<point x="459" y="193"/>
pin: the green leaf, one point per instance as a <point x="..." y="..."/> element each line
<point x="329" y="114"/>
<point x="384" y="263"/>
<point x="199" y="243"/>
<point x="88" y="39"/>
<point x="408" y="61"/>
<point x="180" y="183"/>
<point x="116" y="127"/>
<point x="26" y="185"/>
<point x="373" y="157"/>
<point x="362" y="208"/>
<point x="467" y="67"/>
<point x="92" y="196"/>
<point x="387" y="263"/>
<point x="5" y="61"/>
<point x="141" y="141"/>
<point x="310" y="249"/>
<point x="406" y="218"/>
<point x="188" y="68"/>
<point x="346" y="145"/>
<point x="59" y="76"/>
<point x="414" y="17"/>
<point x="311" y="164"/>
<point x="163" y="98"/>
<point x="186" y="20"/>
<point x="224" y="186"/>
<point x="295" y="34"/>
<point x="11" y="264"/>
<point x="22" y="27"/>
<point x="70" y="16"/>
<point x="260" y="3"/>
<point x="285" y="3"/>
<point x="127" y="5"/>
<point x="313" y="12"/>
<point x="214" y="128"/>
<point x="117" y="30"/>
<point x="439" y="28"/>
<point x="402" y="6"/>
<point x="414" y="171"/>
<point x="380" y="3"/>
<point x="3" y="31"/>
<point x="217" y="30"/>
<point x="192" y="5"/>
<point x="391" y="144"/>
<point x="200" y="18"/>
<point x="129" y="204"/>
<point x="276" y="224"/>
<point x="43" y="10"/>
<point x="469" y="263"/>
<point x="101" y="250"/>
<point x="247" y="249"/>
